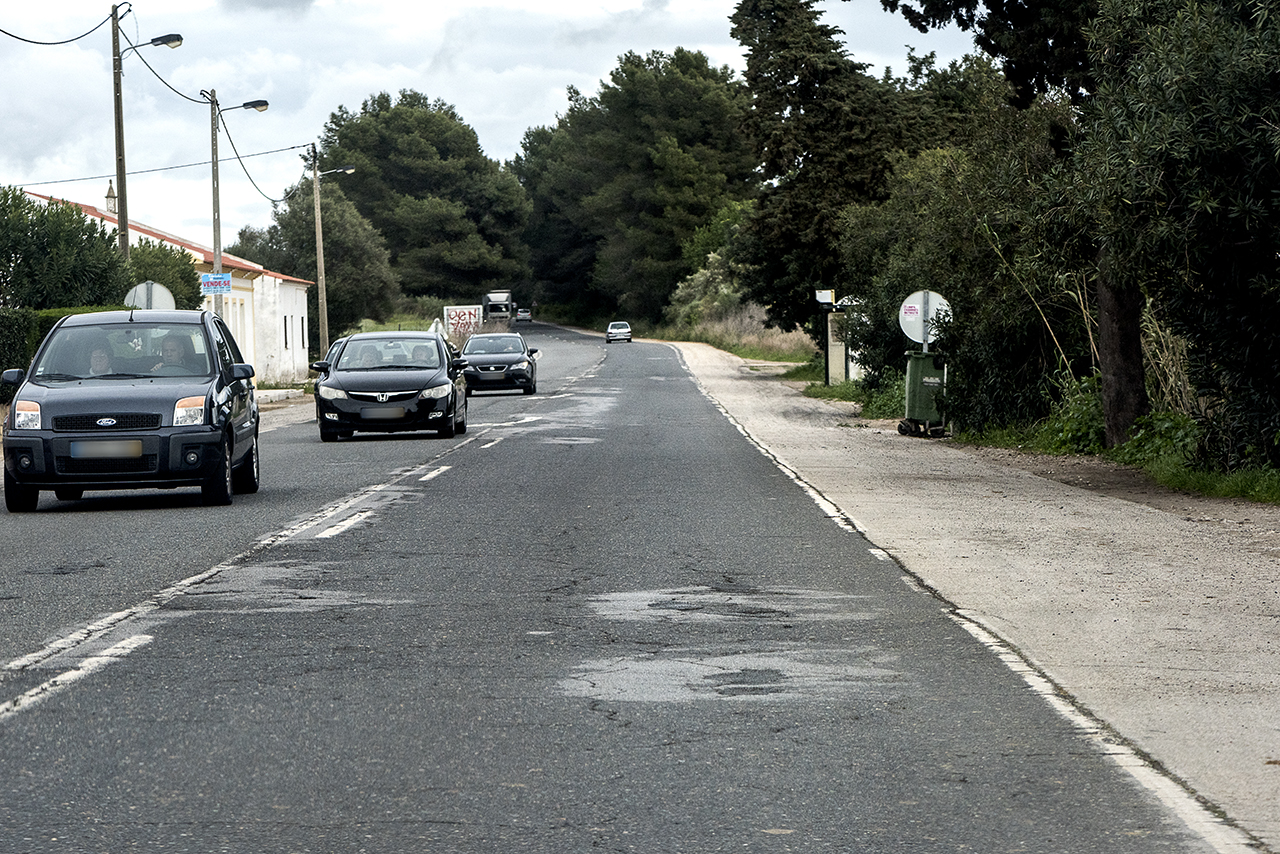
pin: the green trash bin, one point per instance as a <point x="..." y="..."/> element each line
<point x="926" y="379"/>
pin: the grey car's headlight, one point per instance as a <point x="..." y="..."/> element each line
<point x="329" y="393"/>
<point x="522" y="365"/>
<point x="26" y="415"/>
<point x="436" y="392"/>
<point x="189" y="412"/>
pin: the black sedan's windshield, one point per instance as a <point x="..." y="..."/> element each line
<point x="371" y="354"/>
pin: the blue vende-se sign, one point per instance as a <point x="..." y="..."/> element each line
<point x="215" y="283"/>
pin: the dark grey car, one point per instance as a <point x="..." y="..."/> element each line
<point x="498" y="361"/>
<point x="132" y="399"/>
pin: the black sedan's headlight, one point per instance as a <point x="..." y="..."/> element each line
<point x="436" y="392"/>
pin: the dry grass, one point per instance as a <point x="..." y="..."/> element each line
<point x="743" y="333"/>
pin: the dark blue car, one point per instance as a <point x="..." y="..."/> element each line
<point x="132" y="399"/>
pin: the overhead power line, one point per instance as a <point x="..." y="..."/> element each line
<point x="64" y="41"/>
<point x="204" y="163"/>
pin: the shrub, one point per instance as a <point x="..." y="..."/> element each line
<point x="1075" y="424"/>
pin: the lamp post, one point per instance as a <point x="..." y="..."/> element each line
<point x="122" y="207"/>
<point x="212" y="97"/>
<point x="323" y="307"/>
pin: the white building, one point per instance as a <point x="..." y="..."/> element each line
<point x="266" y="311"/>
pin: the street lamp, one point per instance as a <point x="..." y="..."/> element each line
<point x="212" y="97"/>
<point x="320" y="293"/>
<point x="122" y="207"/>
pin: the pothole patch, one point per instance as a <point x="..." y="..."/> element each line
<point x="778" y="674"/>
<point x="711" y="604"/>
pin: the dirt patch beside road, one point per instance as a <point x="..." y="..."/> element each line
<point x="1254" y="523"/>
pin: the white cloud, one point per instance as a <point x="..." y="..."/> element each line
<point x="504" y="64"/>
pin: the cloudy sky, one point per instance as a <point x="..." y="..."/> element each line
<point x="504" y="64"/>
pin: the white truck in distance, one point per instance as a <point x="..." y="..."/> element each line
<point x="498" y="305"/>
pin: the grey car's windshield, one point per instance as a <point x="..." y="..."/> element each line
<point x="123" y="351"/>
<point x="371" y="354"/>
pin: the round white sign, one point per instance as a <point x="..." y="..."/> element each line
<point x="150" y="295"/>
<point x="919" y="312"/>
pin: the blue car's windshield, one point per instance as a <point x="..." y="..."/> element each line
<point x="123" y="351"/>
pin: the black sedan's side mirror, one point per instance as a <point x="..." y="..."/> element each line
<point x="533" y="351"/>
<point x="321" y="367"/>
<point x="459" y="364"/>
<point x="13" y="376"/>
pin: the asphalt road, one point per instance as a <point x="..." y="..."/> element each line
<point x="601" y="620"/>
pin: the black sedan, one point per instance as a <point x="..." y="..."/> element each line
<point x="498" y="361"/>
<point x="386" y="382"/>
<point x="129" y="399"/>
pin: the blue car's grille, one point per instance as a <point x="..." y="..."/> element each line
<point x="90" y="423"/>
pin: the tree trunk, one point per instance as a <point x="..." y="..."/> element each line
<point x="1124" y="387"/>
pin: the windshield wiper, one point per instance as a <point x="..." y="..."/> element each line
<point x="56" y="377"/>
<point x="120" y="376"/>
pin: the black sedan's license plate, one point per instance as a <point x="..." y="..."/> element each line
<point x="382" y="413"/>
<point x="107" y="449"/>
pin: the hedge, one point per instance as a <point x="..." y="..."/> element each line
<point x="22" y="330"/>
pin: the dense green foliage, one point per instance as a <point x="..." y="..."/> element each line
<point x="823" y="131"/>
<point x="968" y="221"/>
<point x="1041" y="43"/>
<point x="17" y="342"/>
<point x="627" y="177"/>
<point x="359" y="282"/>
<point x="827" y="136"/>
<point x="53" y="255"/>
<point x="453" y="220"/>
<point x="1179" y="163"/>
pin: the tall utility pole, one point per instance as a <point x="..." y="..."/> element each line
<point x="217" y="211"/>
<point x="122" y="205"/>
<point x="117" y="73"/>
<point x="323" y="307"/>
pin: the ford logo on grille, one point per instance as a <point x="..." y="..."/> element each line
<point x="106" y="422"/>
